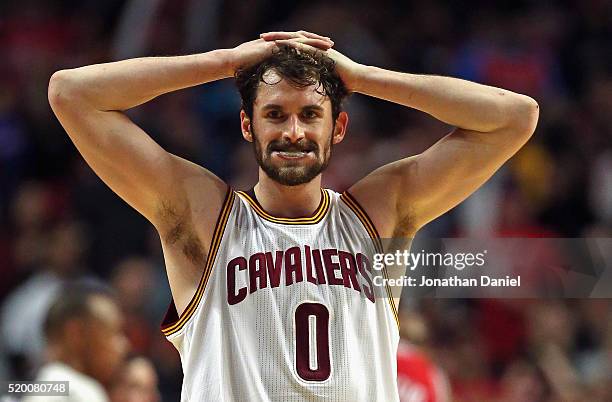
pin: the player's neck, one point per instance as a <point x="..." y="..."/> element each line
<point x="288" y="201"/>
<point x="65" y="355"/>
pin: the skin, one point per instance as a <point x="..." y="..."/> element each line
<point x="294" y="122"/>
<point x="172" y="193"/>
<point x="294" y="158"/>
<point x="137" y="382"/>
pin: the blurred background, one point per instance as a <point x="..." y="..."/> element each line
<point x="58" y="221"/>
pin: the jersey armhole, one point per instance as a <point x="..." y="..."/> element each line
<point x="364" y="218"/>
<point x="367" y="223"/>
<point x="173" y="322"/>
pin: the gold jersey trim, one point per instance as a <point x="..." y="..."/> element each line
<point x="176" y="326"/>
<point x="352" y="203"/>
<point x="317" y="216"/>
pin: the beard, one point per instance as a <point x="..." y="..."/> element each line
<point x="292" y="173"/>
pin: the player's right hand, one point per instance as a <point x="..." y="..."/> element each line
<point x="254" y="51"/>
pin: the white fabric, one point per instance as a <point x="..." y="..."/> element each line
<point x="247" y="351"/>
<point x="82" y="388"/>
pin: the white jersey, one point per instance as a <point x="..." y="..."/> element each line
<point x="81" y="387"/>
<point x="286" y="309"/>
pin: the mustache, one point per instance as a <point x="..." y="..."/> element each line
<point x="288" y="146"/>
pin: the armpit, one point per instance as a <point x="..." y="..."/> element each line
<point x="181" y="234"/>
<point x="405" y="226"/>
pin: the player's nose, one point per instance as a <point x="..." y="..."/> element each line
<point x="293" y="131"/>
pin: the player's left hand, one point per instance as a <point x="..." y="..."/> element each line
<point x="348" y="69"/>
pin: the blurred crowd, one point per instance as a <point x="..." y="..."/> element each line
<point x="58" y="221"/>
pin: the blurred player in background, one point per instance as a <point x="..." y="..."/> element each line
<point x="86" y="345"/>
<point x="419" y="379"/>
<point x="272" y="287"/>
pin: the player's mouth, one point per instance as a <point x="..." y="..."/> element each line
<point x="292" y="155"/>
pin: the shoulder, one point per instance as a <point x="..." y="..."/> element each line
<point x="378" y="194"/>
<point x="82" y="387"/>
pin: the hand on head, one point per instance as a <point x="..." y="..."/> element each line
<point x="252" y="52"/>
<point x="299" y="39"/>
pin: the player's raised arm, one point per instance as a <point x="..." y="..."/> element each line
<point x="89" y="101"/>
<point x="492" y="124"/>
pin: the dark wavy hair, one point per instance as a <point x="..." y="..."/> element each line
<point x="301" y="68"/>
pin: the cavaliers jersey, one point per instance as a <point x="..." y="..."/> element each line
<point x="287" y="309"/>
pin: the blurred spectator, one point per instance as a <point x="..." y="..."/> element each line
<point x="134" y="280"/>
<point x="136" y="382"/>
<point x="521" y="382"/>
<point x="64" y="247"/>
<point x="419" y="379"/>
<point x="85" y="343"/>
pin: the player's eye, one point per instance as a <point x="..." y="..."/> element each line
<point x="310" y="114"/>
<point x="274" y="114"/>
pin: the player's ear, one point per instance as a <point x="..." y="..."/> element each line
<point x="340" y="128"/>
<point x="245" y="125"/>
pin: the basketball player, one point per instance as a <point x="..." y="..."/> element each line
<point x="419" y="379"/>
<point x="86" y="345"/>
<point x="272" y="287"/>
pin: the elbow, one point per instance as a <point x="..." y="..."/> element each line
<point x="531" y="114"/>
<point x="62" y="89"/>
<point x="524" y="116"/>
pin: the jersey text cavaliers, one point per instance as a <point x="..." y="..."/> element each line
<point x="328" y="266"/>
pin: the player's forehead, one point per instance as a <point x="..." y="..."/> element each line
<point x="275" y="90"/>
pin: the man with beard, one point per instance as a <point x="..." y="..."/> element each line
<point x="273" y="297"/>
